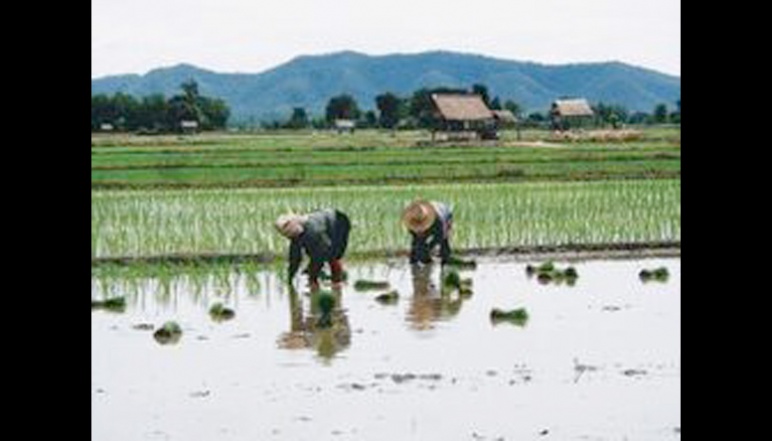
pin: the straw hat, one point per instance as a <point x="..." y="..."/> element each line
<point x="290" y="225"/>
<point x="419" y="216"/>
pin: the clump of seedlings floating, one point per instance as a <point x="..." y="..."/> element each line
<point x="660" y="274"/>
<point x="451" y="280"/>
<point x="114" y="304"/>
<point x="388" y="298"/>
<point x="220" y="312"/>
<point x="169" y="333"/>
<point x="369" y="285"/>
<point x="325" y="303"/>
<point x="517" y="316"/>
<point x="547" y="272"/>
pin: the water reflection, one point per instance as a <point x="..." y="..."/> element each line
<point x="327" y="332"/>
<point x="430" y="302"/>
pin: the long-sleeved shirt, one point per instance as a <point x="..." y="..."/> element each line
<point x="438" y="233"/>
<point x="324" y="239"/>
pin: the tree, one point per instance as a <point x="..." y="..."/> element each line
<point x="214" y="113"/>
<point x="660" y="113"/>
<point x="613" y="114"/>
<point x="390" y="108"/>
<point x="513" y="107"/>
<point x="342" y="107"/>
<point x="299" y="118"/>
<point x="482" y="90"/>
<point x="152" y="115"/>
<point x="495" y="104"/>
<point x="370" y="120"/>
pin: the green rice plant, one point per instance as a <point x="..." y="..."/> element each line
<point x="368" y="285"/>
<point x="388" y="298"/>
<point x="660" y="274"/>
<point x="114" y="304"/>
<point x="169" y="333"/>
<point x="147" y="223"/>
<point x="451" y="278"/>
<point x="517" y="316"/>
<point x="219" y="312"/>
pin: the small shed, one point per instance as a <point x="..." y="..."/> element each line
<point x="566" y="113"/>
<point x="463" y="114"/>
<point x="345" y="125"/>
<point x="189" y="126"/>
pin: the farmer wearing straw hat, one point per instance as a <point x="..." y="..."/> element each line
<point x="429" y="223"/>
<point x="323" y="235"/>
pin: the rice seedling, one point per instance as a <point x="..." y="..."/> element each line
<point x="517" y="316"/>
<point x="450" y="278"/>
<point x="369" y="285"/>
<point x="219" y="312"/>
<point x="547" y="272"/>
<point x="388" y="298"/>
<point x="660" y="274"/>
<point x="486" y="216"/>
<point x="169" y="333"/>
<point x="114" y="304"/>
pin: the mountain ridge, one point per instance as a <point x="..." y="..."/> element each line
<point x="309" y="81"/>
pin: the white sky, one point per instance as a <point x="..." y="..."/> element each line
<point x="228" y="36"/>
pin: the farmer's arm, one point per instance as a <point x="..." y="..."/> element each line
<point x="295" y="256"/>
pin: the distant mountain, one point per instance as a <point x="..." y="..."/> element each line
<point x="310" y="81"/>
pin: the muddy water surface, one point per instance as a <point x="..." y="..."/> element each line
<point x="599" y="360"/>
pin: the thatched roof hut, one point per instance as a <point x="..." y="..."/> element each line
<point x="567" y="113"/>
<point x="572" y="107"/>
<point x="504" y="117"/>
<point x="461" y="107"/>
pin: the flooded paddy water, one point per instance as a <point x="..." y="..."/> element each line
<point x="596" y="360"/>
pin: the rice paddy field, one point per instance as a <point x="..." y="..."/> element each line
<point x="312" y="159"/>
<point x="486" y="216"/>
<point x="196" y="334"/>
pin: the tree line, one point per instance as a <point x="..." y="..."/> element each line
<point x="417" y="112"/>
<point x="157" y="114"/>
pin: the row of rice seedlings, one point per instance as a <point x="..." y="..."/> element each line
<point x="163" y="222"/>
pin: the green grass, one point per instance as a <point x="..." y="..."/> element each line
<point x="230" y="221"/>
<point x="367" y="157"/>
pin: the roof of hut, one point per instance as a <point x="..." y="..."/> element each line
<point x="504" y="115"/>
<point x="460" y="107"/>
<point x="572" y="107"/>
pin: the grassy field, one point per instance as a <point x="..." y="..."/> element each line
<point x="214" y="194"/>
<point x="240" y="221"/>
<point x="369" y="158"/>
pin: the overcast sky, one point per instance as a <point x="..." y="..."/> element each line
<point x="228" y="36"/>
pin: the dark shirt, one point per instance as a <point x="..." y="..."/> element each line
<point x="437" y="234"/>
<point x="324" y="239"/>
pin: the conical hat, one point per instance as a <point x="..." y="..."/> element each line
<point x="419" y="216"/>
<point x="290" y="225"/>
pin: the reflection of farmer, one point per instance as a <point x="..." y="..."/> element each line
<point x="428" y="303"/>
<point x="311" y="330"/>
<point x="429" y="224"/>
<point x="324" y="237"/>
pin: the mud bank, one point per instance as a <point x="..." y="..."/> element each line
<point x="518" y="253"/>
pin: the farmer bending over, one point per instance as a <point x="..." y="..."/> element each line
<point x="429" y="223"/>
<point x="324" y="237"/>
